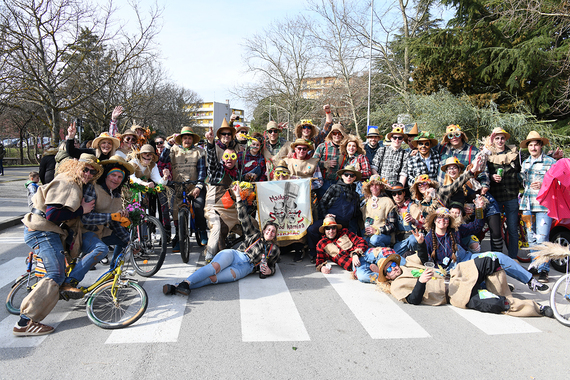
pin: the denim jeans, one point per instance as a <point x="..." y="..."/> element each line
<point x="511" y="267"/>
<point x="48" y="246"/>
<point x="363" y="272"/>
<point x="538" y="233"/>
<point x="408" y="244"/>
<point x="93" y="251"/>
<point x="113" y="239"/>
<point x="511" y="210"/>
<point x="380" y="240"/>
<point x="230" y="260"/>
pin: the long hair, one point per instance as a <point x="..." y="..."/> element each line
<point x="72" y="168"/>
<point x="436" y="242"/>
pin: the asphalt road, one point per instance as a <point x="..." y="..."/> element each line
<point x="298" y="324"/>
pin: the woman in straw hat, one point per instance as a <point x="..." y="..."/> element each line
<point x="103" y="147"/>
<point x="353" y="153"/>
<point x="146" y="172"/>
<point x="251" y="161"/>
<point x="53" y="222"/>
<point x="535" y="215"/>
<point x="415" y="284"/>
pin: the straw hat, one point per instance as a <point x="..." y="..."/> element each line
<point x="105" y="135"/>
<point x="299" y="127"/>
<point x="413" y="132"/>
<point x="128" y="132"/>
<point x="119" y="161"/>
<point x="330" y="220"/>
<point x="422" y="178"/>
<point x="147" y="148"/>
<point x="396" y="130"/>
<point x="442" y="211"/>
<point x="452" y="129"/>
<point x="242" y="127"/>
<point x="282" y="166"/>
<point x="301" y="141"/>
<point x="225" y="125"/>
<point x="452" y="161"/>
<point x="352" y="169"/>
<point x="383" y="262"/>
<point x="187" y="131"/>
<point x="272" y="125"/>
<point x="90" y="159"/>
<point x="372" y="131"/>
<point x="374" y="178"/>
<point x="424" y="136"/>
<point x="533" y="136"/>
<point x="501" y="131"/>
<point x="354" y="139"/>
<point x="336" y="128"/>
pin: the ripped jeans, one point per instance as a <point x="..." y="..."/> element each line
<point x="538" y="233"/>
<point x="233" y="266"/>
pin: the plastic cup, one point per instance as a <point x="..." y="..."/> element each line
<point x="404" y="214"/>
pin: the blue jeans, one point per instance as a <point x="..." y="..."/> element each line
<point x="94" y="250"/>
<point x="511" y="267"/>
<point x="377" y="240"/>
<point x="48" y="246"/>
<point x="408" y="244"/>
<point x="113" y="239"/>
<point x="363" y="272"/>
<point x="538" y="233"/>
<point x="233" y="266"/>
<point x="511" y="210"/>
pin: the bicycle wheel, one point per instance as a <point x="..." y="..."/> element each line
<point x="19" y="291"/>
<point x="560" y="300"/>
<point x="183" y="235"/>
<point x="153" y="247"/>
<point x="131" y="304"/>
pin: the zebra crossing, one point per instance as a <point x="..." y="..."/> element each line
<point x="267" y="311"/>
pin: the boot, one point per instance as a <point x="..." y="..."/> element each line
<point x="175" y="244"/>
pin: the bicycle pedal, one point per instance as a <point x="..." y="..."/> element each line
<point x="63" y="296"/>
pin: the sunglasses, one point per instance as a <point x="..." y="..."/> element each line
<point x="225" y="133"/>
<point x="329" y="228"/>
<point x="453" y="134"/>
<point x="397" y="137"/>
<point x="92" y="171"/>
<point x="272" y="131"/>
<point x="349" y="175"/>
<point x="302" y="148"/>
<point x="391" y="267"/>
<point x="398" y="193"/>
<point x="423" y="184"/>
<point x="424" y="143"/>
<point x="159" y="142"/>
<point x="307" y="127"/>
<point x="280" y="174"/>
<point x="243" y="132"/>
<point x="336" y="133"/>
<point x="227" y="156"/>
<point x="130" y="139"/>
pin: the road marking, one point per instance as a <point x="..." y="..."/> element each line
<point x="268" y="312"/>
<point x="12" y="270"/>
<point x="373" y="308"/>
<point x="495" y="324"/>
<point x="163" y="318"/>
<point x="12" y="240"/>
<point x="8" y="339"/>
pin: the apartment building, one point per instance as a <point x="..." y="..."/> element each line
<point x="211" y="114"/>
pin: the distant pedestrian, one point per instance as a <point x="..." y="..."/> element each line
<point x="32" y="185"/>
<point x="2" y="154"/>
<point x="47" y="165"/>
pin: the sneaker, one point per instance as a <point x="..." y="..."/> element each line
<point x="104" y="261"/>
<point x="71" y="291"/>
<point x="176" y="247"/>
<point x="203" y="237"/>
<point x="533" y="270"/>
<point x="182" y="288"/>
<point x="536" y="286"/>
<point x="298" y="257"/>
<point x="546" y="311"/>
<point x="32" y="329"/>
<point x="543" y="277"/>
<point x="313" y="260"/>
<point x="511" y="287"/>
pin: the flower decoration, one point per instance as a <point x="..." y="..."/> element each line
<point x="136" y="213"/>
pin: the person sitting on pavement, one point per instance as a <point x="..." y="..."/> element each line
<point x="103" y="147"/>
<point x="378" y="212"/>
<point x="367" y="271"/>
<point x="392" y="162"/>
<point x="56" y="215"/>
<point x="32" y="187"/>
<point x="328" y="154"/>
<point x="416" y="284"/>
<point x="259" y="248"/>
<point x="188" y="164"/>
<point x="338" y="245"/>
<point x="442" y="245"/>
<point x="471" y="243"/>
<point x="251" y="161"/>
<point x="409" y="216"/>
<point x="427" y="161"/>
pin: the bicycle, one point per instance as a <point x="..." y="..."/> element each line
<point x="186" y="222"/>
<point x="560" y="297"/>
<point x="114" y="301"/>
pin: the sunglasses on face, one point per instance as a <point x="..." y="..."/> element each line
<point x="441" y="217"/>
<point x="91" y="171"/>
<point x="147" y="157"/>
<point x="398" y="193"/>
<point x="453" y="134"/>
<point x="302" y="148"/>
<point x="349" y="175"/>
<point x="225" y="133"/>
<point x="306" y="127"/>
<point x="329" y="228"/>
<point x="227" y="156"/>
<point x="423" y="184"/>
<point x="391" y="267"/>
<point x="272" y="131"/>
<point x="159" y="142"/>
<point x="130" y="139"/>
<point x="242" y="132"/>
<point x="337" y="134"/>
<point x="423" y="143"/>
<point x="397" y="137"/>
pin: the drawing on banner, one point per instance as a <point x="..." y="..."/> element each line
<point x="288" y="204"/>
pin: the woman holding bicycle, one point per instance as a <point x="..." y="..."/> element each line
<point x="231" y="265"/>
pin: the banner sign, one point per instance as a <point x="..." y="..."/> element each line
<point x="288" y="204"/>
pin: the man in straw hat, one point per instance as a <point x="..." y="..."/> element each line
<point x="338" y="245"/>
<point x="329" y="156"/>
<point x="392" y="162"/>
<point x="301" y="165"/>
<point x="427" y="161"/>
<point x="409" y="217"/>
<point x="372" y="142"/>
<point x="188" y="164"/>
<point x="273" y="143"/>
<point x="535" y="217"/>
<point x="379" y="213"/>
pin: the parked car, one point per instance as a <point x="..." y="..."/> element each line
<point x="560" y="233"/>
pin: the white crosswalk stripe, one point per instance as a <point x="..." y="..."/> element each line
<point x="495" y="324"/>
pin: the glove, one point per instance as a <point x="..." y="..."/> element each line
<point x="125" y="222"/>
<point x="116" y="216"/>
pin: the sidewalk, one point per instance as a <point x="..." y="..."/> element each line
<point x="13" y="195"/>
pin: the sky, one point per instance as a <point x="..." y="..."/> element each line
<point x="201" y="41"/>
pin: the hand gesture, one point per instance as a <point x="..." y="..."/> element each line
<point x="87" y="206"/>
<point x="419" y="236"/>
<point x="116" y="113"/>
<point x="166" y="174"/>
<point x="232" y="118"/>
<point x="210" y="135"/>
<point x="71" y="131"/>
<point x="235" y="189"/>
<point x="427" y="275"/>
<point x="327" y="108"/>
<point x="558" y="154"/>
<point x="171" y="142"/>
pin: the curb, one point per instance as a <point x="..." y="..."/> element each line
<point x="11" y="222"/>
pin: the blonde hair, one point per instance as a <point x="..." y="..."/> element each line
<point x="72" y="169"/>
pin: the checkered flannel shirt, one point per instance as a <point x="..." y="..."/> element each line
<point x="446" y="151"/>
<point x="344" y="257"/>
<point x="250" y="163"/>
<point x="417" y="166"/>
<point x="510" y="184"/>
<point x="328" y="151"/>
<point x="391" y="164"/>
<point x="320" y="137"/>
<point x="532" y="171"/>
<point x="336" y="191"/>
<point x="363" y="163"/>
<point x="93" y="220"/>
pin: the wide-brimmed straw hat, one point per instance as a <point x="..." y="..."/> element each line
<point x="90" y="159"/>
<point x="397" y="129"/>
<point x="452" y="129"/>
<point x="301" y="141"/>
<point x="302" y="123"/>
<point x="187" y="131"/>
<point x="105" y="135"/>
<point x="352" y="169"/>
<point x="128" y="132"/>
<point x="282" y="165"/>
<point x="383" y="262"/>
<point x="374" y="178"/>
<point x="147" y="148"/>
<point x="501" y="131"/>
<point x="422" y="178"/>
<point x="534" y="136"/>
<point x="242" y="127"/>
<point x="330" y="220"/>
<point x="336" y="128"/>
<point x="452" y="161"/>
<point x="119" y="161"/>
<point x="424" y="136"/>
<point x="354" y="139"/>
<point x="442" y="211"/>
<point x="225" y="125"/>
<point x="372" y="131"/>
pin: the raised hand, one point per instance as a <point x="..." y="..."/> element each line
<point x="210" y="135"/>
<point x="116" y="113"/>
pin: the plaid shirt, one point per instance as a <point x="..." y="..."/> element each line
<point x="113" y="128"/>
<point x="532" y="171"/>
<point x="274" y="149"/>
<point x="328" y="151"/>
<point x="445" y="193"/>
<point x="93" y="220"/>
<point x="335" y="192"/>
<point x="251" y="163"/>
<point x="510" y="184"/>
<point x="344" y="257"/>
<point x="417" y="166"/>
<point x="446" y="151"/>
<point x="216" y="170"/>
<point x="391" y="164"/>
<point x="362" y="162"/>
<point x="255" y="246"/>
